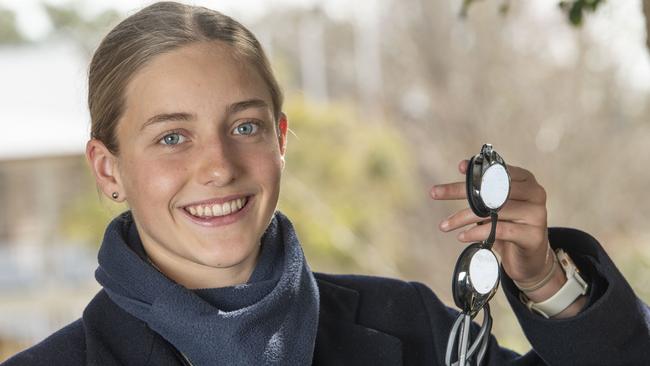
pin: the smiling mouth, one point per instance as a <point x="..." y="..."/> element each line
<point x="217" y="209"/>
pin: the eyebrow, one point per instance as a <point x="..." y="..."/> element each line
<point x="246" y="104"/>
<point x="168" y="117"/>
<point x="183" y="116"/>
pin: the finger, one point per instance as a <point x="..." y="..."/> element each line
<point x="523" y="187"/>
<point x="521" y="191"/>
<point x="528" y="191"/>
<point x="514" y="211"/>
<point x="462" y="166"/>
<point x="516" y="173"/>
<point x="523" y="236"/>
<point x="449" y="191"/>
<point x="520" y="212"/>
<point x="460" y="219"/>
<point x="519" y="174"/>
<point x="499" y="247"/>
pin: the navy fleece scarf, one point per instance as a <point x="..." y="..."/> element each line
<point x="272" y="319"/>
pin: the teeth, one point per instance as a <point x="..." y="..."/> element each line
<point x="217" y="209"/>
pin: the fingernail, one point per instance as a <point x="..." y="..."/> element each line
<point x="437" y="191"/>
<point x="444" y="225"/>
<point x="461" y="236"/>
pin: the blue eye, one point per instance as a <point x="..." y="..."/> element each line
<point x="172" y="139"/>
<point x="247" y="128"/>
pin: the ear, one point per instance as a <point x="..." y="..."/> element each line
<point x="283" y="126"/>
<point x="104" y="167"/>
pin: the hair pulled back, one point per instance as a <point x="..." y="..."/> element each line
<point x="156" y="29"/>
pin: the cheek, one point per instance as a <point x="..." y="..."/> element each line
<point x="267" y="167"/>
<point x="154" y="182"/>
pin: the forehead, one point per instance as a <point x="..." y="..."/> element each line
<point x="200" y="76"/>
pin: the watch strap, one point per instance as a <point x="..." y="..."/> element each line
<point x="570" y="291"/>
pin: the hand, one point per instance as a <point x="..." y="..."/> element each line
<point x="521" y="235"/>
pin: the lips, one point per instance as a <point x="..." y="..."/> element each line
<point x="207" y="218"/>
<point x="216" y="209"/>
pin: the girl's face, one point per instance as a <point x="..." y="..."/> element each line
<point x="197" y="140"/>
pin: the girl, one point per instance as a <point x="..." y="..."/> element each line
<point x="188" y="129"/>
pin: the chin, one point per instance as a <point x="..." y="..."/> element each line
<point x="224" y="257"/>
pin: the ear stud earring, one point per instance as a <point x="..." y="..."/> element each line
<point x="115" y="195"/>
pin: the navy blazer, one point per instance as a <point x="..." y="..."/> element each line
<point x="367" y="320"/>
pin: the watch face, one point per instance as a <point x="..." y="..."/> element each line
<point x="483" y="271"/>
<point x="495" y="186"/>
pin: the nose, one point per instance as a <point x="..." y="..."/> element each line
<point x="217" y="164"/>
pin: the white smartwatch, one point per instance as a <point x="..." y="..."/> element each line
<point x="574" y="287"/>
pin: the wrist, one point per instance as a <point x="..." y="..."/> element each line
<point x="562" y="295"/>
<point x="549" y="289"/>
<point x="548" y="274"/>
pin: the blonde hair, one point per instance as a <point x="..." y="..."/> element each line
<point x="156" y="29"/>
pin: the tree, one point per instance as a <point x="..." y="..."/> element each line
<point x="9" y="33"/>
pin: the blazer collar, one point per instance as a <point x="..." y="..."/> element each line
<point x="341" y="340"/>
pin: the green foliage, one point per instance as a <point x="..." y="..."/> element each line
<point x="575" y="9"/>
<point x="68" y="17"/>
<point x="86" y="217"/>
<point x="68" y="21"/>
<point x="345" y="183"/>
<point x="9" y="33"/>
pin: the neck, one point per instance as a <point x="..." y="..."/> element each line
<point x="193" y="275"/>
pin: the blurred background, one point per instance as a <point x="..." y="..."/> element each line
<point x="384" y="99"/>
